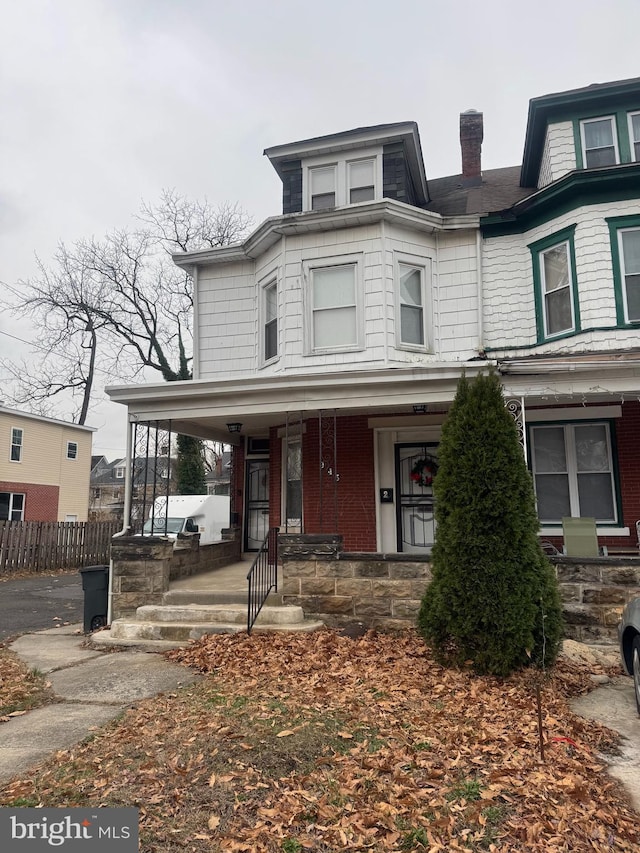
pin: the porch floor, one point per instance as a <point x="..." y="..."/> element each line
<point x="231" y="578"/>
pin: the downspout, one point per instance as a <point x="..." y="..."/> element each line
<point x="480" y="292"/>
<point x="127" y="514"/>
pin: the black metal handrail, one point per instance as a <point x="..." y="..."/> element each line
<point x="263" y="576"/>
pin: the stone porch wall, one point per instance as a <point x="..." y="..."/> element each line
<point x="594" y="591"/>
<point x="385" y="590"/>
<point x="142" y="567"/>
<point x="340" y="587"/>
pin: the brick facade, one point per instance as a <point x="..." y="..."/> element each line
<point x="40" y="502"/>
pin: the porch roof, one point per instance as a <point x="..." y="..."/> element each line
<point x="203" y="408"/>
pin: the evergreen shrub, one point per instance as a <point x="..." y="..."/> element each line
<point x="493" y="600"/>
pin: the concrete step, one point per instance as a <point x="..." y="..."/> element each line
<point x="206" y="596"/>
<point x="161" y="627"/>
<point x="235" y="614"/>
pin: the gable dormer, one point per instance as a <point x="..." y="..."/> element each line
<point x="595" y="127"/>
<point x="361" y="165"/>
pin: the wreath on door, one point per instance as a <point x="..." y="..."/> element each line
<point x="424" y="471"/>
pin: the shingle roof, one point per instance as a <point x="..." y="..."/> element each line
<point x="500" y="189"/>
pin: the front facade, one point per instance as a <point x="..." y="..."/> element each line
<point x="44" y="468"/>
<point x="328" y="345"/>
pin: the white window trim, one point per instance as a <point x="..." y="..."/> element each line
<point x="12" y="445"/>
<point x="286" y="522"/>
<point x="631" y="141"/>
<point x="341" y="162"/>
<point x="12" y="495"/>
<point x="355" y="260"/>
<point x="267" y="281"/>
<point x="75" y="444"/>
<point x="623" y="276"/>
<point x="572" y="470"/>
<point x="584" y="121"/>
<point x="120" y="471"/>
<point x="425" y="265"/>
<point x="544" y="293"/>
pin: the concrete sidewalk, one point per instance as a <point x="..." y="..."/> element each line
<point x="93" y="687"/>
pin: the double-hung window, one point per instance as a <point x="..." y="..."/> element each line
<point x="413" y="303"/>
<point x="624" y="233"/>
<point x="72" y="450"/>
<point x="270" y="331"/>
<point x="599" y="142"/>
<point x="11" y="506"/>
<point x="361" y="179"/>
<point x="634" y="135"/>
<point x="15" y="453"/>
<point x="333" y="307"/>
<point x="555" y="284"/>
<point x="573" y="472"/>
<point x="323" y="187"/>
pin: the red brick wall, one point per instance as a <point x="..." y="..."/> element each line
<point x="40" y="502"/>
<point x="350" y="508"/>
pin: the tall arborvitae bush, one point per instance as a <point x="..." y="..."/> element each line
<point x="493" y="600"/>
<point x="190" y="472"/>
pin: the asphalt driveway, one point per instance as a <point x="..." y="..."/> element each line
<point x="38" y="602"/>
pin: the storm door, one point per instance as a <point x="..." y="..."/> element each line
<point x="257" y="505"/>
<point x="416" y="466"/>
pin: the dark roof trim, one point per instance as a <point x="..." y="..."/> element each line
<point x="576" y="189"/>
<point x="546" y="107"/>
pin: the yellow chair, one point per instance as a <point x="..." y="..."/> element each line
<point x="580" y="537"/>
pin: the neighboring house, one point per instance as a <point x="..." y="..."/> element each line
<point x="328" y="344"/>
<point x="108" y="485"/>
<point x="219" y="477"/>
<point x="44" y="468"/>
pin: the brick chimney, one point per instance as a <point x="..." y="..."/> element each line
<point x="471" y="133"/>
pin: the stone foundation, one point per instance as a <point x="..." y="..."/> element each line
<point x="385" y="590"/>
<point x="195" y="558"/>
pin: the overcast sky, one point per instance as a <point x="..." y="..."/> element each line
<point x="105" y="102"/>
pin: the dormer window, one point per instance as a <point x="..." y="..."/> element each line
<point x="599" y="142"/>
<point x="343" y="181"/>
<point x="634" y="135"/>
<point x="323" y="187"/>
<point x="362" y="183"/>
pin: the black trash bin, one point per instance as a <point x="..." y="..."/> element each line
<point x="95" y="583"/>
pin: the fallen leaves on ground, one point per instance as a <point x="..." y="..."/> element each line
<point x="20" y="687"/>
<point x="318" y="742"/>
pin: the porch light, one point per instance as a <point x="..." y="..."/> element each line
<point x="234" y="427"/>
<point x="419" y="409"/>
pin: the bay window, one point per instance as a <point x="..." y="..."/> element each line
<point x="634" y="135"/>
<point x="554" y="274"/>
<point x="270" y="330"/>
<point x="334" y="306"/>
<point x="573" y="472"/>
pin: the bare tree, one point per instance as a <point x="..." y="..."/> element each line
<point x="118" y="305"/>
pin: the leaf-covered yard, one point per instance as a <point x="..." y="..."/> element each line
<point x="323" y="743"/>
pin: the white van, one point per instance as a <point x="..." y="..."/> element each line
<point x="188" y="514"/>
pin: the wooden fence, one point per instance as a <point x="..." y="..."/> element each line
<point x="39" y="546"/>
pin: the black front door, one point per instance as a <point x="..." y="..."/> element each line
<point x="257" y="503"/>
<point x="416" y="465"/>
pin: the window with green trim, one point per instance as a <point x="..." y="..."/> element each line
<point x="573" y="472"/>
<point x="599" y="142"/>
<point x="634" y="135"/>
<point x="624" y="234"/>
<point x="554" y="277"/>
